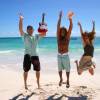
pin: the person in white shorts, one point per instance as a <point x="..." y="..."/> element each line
<point x="63" y="38"/>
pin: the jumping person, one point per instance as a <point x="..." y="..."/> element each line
<point x="31" y="56"/>
<point x="63" y="39"/>
<point x="85" y="62"/>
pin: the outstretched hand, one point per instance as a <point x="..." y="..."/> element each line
<point x="21" y="16"/>
<point x="70" y="14"/>
<point x="21" y="24"/>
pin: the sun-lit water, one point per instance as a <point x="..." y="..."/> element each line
<point x="12" y="51"/>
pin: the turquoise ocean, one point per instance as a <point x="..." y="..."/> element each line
<point x="46" y="45"/>
<point x="12" y="51"/>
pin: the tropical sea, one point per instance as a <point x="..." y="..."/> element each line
<point x="12" y="52"/>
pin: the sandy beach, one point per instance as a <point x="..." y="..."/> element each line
<point x="83" y="87"/>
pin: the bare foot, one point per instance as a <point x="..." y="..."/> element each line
<point x="39" y="87"/>
<point x="79" y="71"/>
<point x="26" y="88"/>
<point x="91" y="71"/>
<point x="67" y="84"/>
<point x="38" y="84"/>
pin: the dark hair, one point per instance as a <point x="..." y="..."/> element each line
<point x="63" y="28"/>
<point x="90" y="35"/>
<point x="85" y="34"/>
<point x="29" y="27"/>
<point x="62" y="36"/>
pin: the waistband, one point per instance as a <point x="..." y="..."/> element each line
<point x="64" y="54"/>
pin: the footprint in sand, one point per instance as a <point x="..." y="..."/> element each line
<point x="49" y="84"/>
<point x="83" y="87"/>
<point x="39" y="91"/>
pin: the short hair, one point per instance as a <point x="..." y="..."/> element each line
<point x="29" y="27"/>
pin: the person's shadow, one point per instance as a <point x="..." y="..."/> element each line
<point x="50" y="97"/>
<point x="23" y="98"/>
<point x="69" y="98"/>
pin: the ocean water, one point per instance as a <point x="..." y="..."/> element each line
<point x="47" y="45"/>
<point x="12" y="51"/>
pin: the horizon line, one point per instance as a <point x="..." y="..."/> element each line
<point x="45" y="36"/>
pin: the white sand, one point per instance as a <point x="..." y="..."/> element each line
<point x="84" y="87"/>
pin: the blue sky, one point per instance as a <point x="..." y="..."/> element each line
<point x="85" y="11"/>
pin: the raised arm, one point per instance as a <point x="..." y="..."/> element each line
<point x="59" y="23"/>
<point x="70" y="14"/>
<point x="82" y="33"/>
<point x="21" y="26"/>
<point x="93" y="30"/>
<point x="70" y="27"/>
<point x="80" y="26"/>
<point x="92" y="33"/>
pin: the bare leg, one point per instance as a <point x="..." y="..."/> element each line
<point x="38" y="78"/>
<point x="78" y="70"/>
<point x="60" y="76"/>
<point x="25" y="75"/>
<point x="67" y="84"/>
